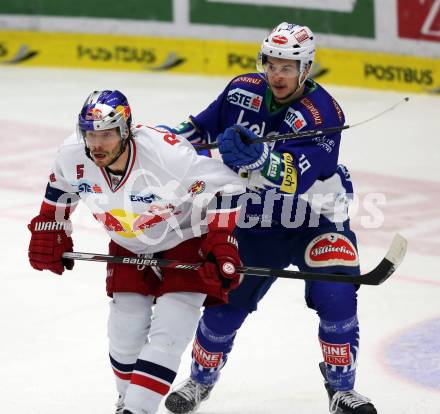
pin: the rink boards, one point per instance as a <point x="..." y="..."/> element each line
<point x="211" y="57"/>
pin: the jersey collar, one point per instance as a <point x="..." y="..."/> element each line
<point x="127" y="171"/>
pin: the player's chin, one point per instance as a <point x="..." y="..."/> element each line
<point x="280" y="92"/>
<point x="101" y="160"/>
<point x="283" y="94"/>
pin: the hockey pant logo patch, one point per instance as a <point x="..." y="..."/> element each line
<point x="331" y="249"/>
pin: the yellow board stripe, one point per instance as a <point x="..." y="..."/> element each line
<point x="210" y="57"/>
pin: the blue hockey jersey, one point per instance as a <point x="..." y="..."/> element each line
<point x="309" y="169"/>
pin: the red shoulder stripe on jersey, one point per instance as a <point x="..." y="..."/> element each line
<point x="225" y="219"/>
<point x="164" y="131"/>
<point x="56" y="210"/>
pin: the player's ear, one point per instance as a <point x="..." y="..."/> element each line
<point x="305" y="74"/>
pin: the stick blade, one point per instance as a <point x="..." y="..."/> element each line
<point x="397" y="250"/>
<point x="389" y="263"/>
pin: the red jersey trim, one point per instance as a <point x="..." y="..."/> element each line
<point x="131" y="162"/>
<point x="223" y="219"/>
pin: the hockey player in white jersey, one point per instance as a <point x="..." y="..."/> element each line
<point x="154" y="196"/>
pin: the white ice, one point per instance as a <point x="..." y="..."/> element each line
<point x="53" y="345"/>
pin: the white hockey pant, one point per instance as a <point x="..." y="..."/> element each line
<point x="173" y="326"/>
<point x="128" y="326"/>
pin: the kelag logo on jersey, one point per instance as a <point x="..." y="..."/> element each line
<point x="245" y="99"/>
<point x="295" y="119"/>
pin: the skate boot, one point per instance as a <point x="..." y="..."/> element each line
<point x="188" y="397"/>
<point x="120" y="405"/>
<point x="346" y="402"/>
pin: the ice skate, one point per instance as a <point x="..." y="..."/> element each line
<point x="120" y="405"/>
<point x="188" y="397"/>
<point x="346" y="402"/>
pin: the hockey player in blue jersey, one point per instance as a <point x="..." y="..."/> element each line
<point x="300" y="219"/>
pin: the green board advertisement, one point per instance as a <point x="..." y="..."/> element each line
<point x="357" y="22"/>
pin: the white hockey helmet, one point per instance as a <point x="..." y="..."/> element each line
<point x="289" y="41"/>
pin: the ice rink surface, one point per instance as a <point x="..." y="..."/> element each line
<point x="53" y="345"/>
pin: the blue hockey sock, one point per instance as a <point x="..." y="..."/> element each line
<point x="214" y="340"/>
<point x="340" y="344"/>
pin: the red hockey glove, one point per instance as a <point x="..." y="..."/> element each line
<point x="49" y="240"/>
<point x="220" y="252"/>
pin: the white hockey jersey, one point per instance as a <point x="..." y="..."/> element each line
<point x="162" y="199"/>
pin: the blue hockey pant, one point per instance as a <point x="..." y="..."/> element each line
<point x="335" y="303"/>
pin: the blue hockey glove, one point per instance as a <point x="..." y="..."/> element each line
<point x="237" y="153"/>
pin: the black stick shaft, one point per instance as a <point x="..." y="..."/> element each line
<point x="305" y="134"/>
<point x="291" y="135"/>
<point x="378" y="275"/>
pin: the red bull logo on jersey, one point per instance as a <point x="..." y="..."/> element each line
<point x="205" y="358"/>
<point x="336" y="354"/>
<point x="110" y="222"/>
<point x="153" y="216"/>
<point x="245" y="99"/>
<point x="129" y="225"/>
<point x="295" y="119"/>
<point x="331" y="249"/>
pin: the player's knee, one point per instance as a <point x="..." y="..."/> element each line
<point x="128" y="324"/>
<point x="333" y="301"/>
<point x="224" y="320"/>
<point x="175" y="321"/>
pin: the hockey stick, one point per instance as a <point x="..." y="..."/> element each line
<point x="305" y="134"/>
<point x="378" y="275"/>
